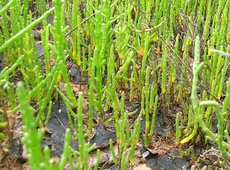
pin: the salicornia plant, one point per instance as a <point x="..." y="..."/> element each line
<point x="128" y="54"/>
<point x="199" y="115"/>
<point x="32" y="138"/>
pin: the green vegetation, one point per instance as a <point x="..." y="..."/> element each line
<point x="168" y="57"/>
